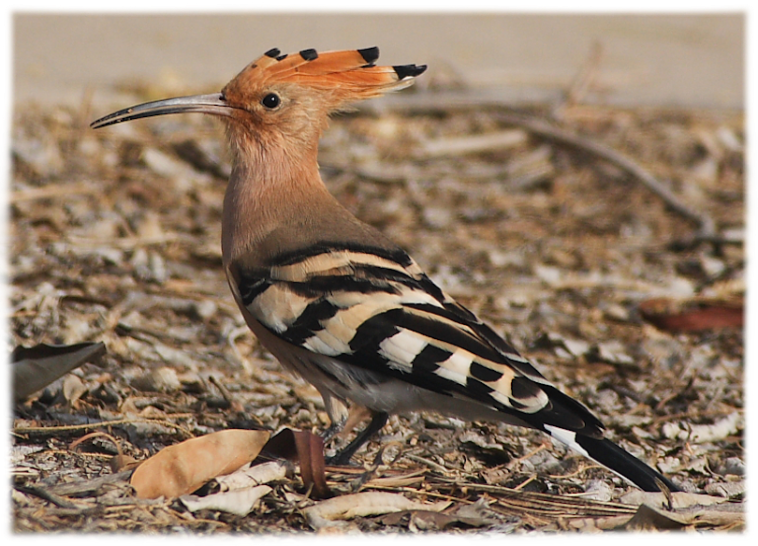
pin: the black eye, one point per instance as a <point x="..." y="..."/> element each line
<point x="271" y="101"/>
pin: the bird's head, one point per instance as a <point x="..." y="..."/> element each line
<point x="284" y="100"/>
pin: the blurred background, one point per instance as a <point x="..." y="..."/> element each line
<point x="661" y="60"/>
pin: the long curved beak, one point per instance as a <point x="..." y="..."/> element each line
<point x="205" y="104"/>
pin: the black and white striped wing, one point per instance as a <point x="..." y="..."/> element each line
<point x="377" y="310"/>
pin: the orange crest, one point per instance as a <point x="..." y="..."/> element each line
<point x="349" y="75"/>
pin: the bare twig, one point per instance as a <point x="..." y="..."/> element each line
<point x="586" y="77"/>
<point x="96" y="434"/>
<point x="545" y="503"/>
<point x="95" y="424"/>
<point x="431" y="464"/>
<point x="44" y="494"/>
<point x="706" y="225"/>
<point x="93" y="486"/>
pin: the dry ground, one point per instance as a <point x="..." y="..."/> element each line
<point x="115" y="238"/>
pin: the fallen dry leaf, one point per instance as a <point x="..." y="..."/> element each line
<point x="239" y="502"/>
<point x="428" y="520"/>
<point x="36" y="367"/>
<point x="363" y="504"/>
<point x="701" y="434"/>
<point x="728" y="490"/>
<point x="680" y="499"/>
<point x="183" y="468"/>
<point x="655" y="513"/>
<point x="648" y="518"/>
<point x="667" y="314"/>
<point x="250" y="476"/>
<point x="307" y="449"/>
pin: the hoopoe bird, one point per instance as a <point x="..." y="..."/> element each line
<point x="335" y="300"/>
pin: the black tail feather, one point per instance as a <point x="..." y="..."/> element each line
<point x="623" y="463"/>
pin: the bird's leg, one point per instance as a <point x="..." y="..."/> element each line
<point x="343" y="419"/>
<point x="332" y="430"/>
<point x="338" y="413"/>
<point x="378" y="420"/>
